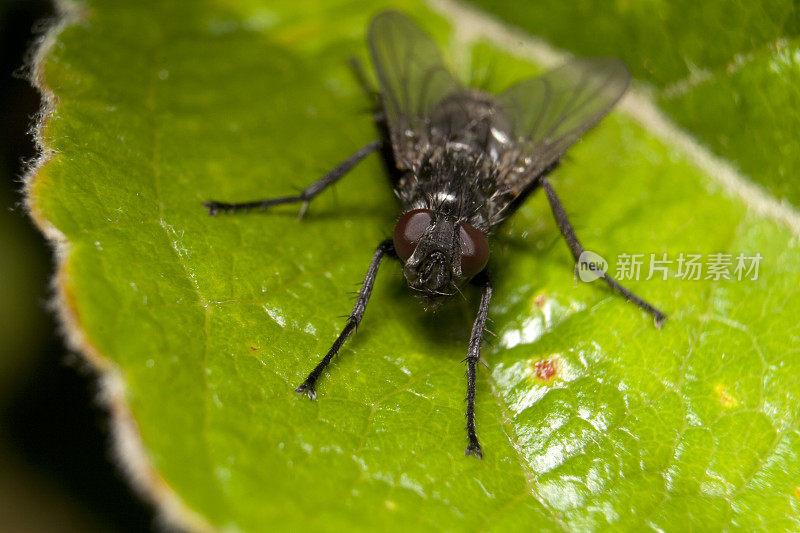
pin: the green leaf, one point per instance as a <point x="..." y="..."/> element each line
<point x="589" y="416"/>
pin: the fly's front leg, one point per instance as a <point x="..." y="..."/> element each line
<point x="473" y="356"/>
<point x="384" y="248"/>
<point x="306" y="195"/>
<point x="577" y="249"/>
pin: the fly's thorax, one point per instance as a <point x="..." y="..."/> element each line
<point x="440" y="253"/>
<point x="452" y="179"/>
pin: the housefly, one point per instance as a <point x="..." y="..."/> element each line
<point x="466" y="160"/>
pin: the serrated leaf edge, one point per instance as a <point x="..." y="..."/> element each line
<point x="127" y="447"/>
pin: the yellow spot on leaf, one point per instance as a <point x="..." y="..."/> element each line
<point x="725" y="398"/>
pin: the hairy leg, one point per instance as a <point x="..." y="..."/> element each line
<point x="306" y="195"/>
<point x="577" y="249"/>
<point x="383" y="249"/>
<point x="473" y="356"/>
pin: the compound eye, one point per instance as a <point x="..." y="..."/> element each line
<point x="474" y="250"/>
<point x="409" y="230"/>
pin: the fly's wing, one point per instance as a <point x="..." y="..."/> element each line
<point x="413" y="80"/>
<point x="548" y="114"/>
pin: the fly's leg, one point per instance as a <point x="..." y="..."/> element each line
<point x="577" y="249"/>
<point x="384" y="248"/>
<point x="306" y="195"/>
<point x="473" y="356"/>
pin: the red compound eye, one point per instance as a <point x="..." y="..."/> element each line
<point x="474" y="250"/>
<point x="409" y="230"/>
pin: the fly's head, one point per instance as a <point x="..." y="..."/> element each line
<point x="439" y="253"/>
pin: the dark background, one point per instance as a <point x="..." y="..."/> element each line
<point x="56" y="472"/>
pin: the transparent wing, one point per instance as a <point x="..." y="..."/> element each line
<point x="413" y="80"/>
<point x="548" y="114"/>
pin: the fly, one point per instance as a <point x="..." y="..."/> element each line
<point x="466" y="160"/>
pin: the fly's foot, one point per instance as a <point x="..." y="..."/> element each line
<point x="307" y="389"/>
<point x="474" y="449"/>
<point x="214" y="208"/>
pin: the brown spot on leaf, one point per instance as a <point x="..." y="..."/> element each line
<point x="546" y="369"/>
<point x="540" y="300"/>
<point x="254" y="348"/>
